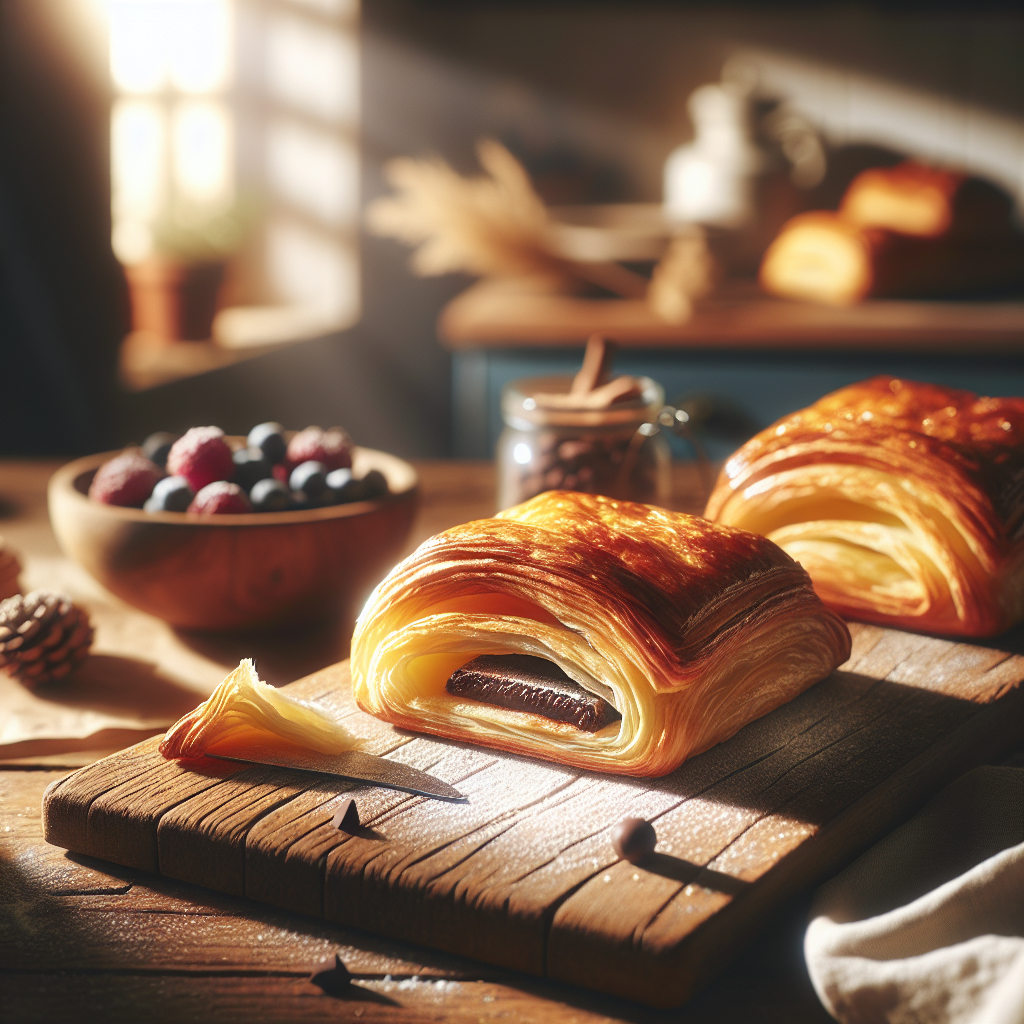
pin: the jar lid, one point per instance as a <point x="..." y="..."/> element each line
<point x="521" y="411"/>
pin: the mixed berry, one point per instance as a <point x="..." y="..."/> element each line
<point x="201" y="472"/>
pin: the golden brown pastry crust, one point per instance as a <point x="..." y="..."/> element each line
<point x="689" y="629"/>
<point x="825" y="257"/>
<point x="914" y="199"/>
<point x="246" y="714"/>
<point x="904" y="501"/>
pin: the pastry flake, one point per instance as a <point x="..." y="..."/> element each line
<point x="904" y="501"/>
<point x="689" y="630"/>
<point x="246" y="714"/>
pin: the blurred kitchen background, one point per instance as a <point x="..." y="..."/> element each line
<point x="162" y="156"/>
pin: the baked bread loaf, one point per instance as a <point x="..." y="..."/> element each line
<point x="904" y="501"/>
<point x="594" y="632"/>
<point x="927" y="202"/>
<point x="824" y="257"/>
<point x="909" y="230"/>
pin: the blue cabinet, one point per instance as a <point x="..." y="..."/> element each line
<point x="764" y="385"/>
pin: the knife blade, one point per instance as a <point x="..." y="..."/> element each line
<point x="357" y="766"/>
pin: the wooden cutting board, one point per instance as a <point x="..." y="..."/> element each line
<point x="524" y="875"/>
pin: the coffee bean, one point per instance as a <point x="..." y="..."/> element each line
<point x="633" y="839"/>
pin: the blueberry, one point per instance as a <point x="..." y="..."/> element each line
<point x="172" y="494"/>
<point x="270" y="495"/>
<point x="345" y="487"/>
<point x="375" y="483"/>
<point x="270" y="440"/>
<point x="301" y="500"/>
<point x="157" y="445"/>
<point x="310" y="477"/>
<point x="250" y="467"/>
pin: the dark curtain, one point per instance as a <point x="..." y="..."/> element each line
<point x="63" y="302"/>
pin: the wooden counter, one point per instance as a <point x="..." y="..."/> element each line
<point x="81" y="939"/>
<point x="496" y="314"/>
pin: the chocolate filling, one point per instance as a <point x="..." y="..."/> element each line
<point x="521" y="682"/>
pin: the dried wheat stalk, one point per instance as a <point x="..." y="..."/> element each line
<point x="495" y="225"/>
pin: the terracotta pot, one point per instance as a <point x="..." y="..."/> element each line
<point x="174" y="301"/>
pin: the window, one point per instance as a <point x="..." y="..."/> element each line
<point x="232" y="113"/>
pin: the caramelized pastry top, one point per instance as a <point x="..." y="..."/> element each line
<point x="684" y="630"/>
<point x="674" y="579"/>
<point x="944" y="437"/>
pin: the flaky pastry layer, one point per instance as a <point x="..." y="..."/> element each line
<point x="904" y="501"/>
<point x="690" y="630"/>
<point x="245" y="714"/>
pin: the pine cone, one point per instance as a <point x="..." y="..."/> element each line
<point x="43" y="636"/>
<point x="10" y="568"/>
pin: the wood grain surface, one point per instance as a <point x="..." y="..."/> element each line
<point x="523" y="875"/>
<point x="86" y="940"/>
<point x="494" y="313"/>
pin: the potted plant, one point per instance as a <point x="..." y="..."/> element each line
<point x="174" y="291"/>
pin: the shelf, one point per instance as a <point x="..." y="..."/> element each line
<point x="147" y="361"/>
<point x="501" y="314"/>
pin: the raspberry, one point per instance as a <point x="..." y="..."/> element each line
<point x="127" y="479"/>
<point x="219" y="498"/>
<point x="201" y="457"/>
<point x="331" y="447"/>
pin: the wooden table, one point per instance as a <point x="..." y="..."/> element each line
<point x="81" y="939"/>
<point x="737" y="316"/>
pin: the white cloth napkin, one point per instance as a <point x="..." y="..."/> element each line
<point x="928" y="925"/>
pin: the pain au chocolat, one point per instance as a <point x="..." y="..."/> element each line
<point x="665" y="634"/>
<point x="904" y="501"/>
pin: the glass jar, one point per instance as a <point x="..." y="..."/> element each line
<point x="617" y="451"/>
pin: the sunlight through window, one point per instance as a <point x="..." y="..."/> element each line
<point x="316" y="171"/>
<point x="226" y="107"/>
<point x="313" y="69"/>
<point x="312" y="271"/>
<point x="202" y="152"/>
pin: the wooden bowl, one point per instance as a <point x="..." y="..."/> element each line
<point x="235" y="572"/>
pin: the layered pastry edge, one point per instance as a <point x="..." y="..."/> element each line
<point x="682" y="678"/>
<point x="898" y="499"/>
